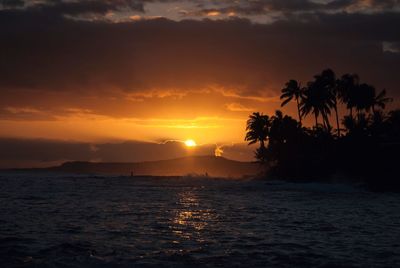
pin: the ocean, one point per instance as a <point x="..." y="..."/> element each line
<point x="49" y="220"/>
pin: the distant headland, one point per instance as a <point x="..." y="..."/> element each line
<point x="211" y="166"/>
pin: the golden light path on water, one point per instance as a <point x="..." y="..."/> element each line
<point x="190" y="219"/>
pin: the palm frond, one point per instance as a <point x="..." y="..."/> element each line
<point x="286" y="101"/>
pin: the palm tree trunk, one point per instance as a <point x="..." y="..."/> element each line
<point x="337" y="120"/>
<point x="316" y="121"/>
<point x="325" y="120"/>
<point x="328" y="125"/>
<point x="298" y="109"/>
<point x="262" y="151"/>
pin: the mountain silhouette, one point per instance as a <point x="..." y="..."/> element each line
<point x="194" y="165"/>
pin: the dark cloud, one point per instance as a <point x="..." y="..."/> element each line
<point x="203" y="7"/>
<point x="93" y="6"/>
<point x="62" y="7"/>
<point x="263" y="6"/>
<point x="344" y="26"/>
<point x="288" y="7"/>
<point x="11" y="3"/>
<point x="45" y="52"/>
<point x="42" y="150"/>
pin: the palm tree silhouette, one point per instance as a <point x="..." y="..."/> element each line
<point x="318" y="98"/>
<point x="257" y="131"/>
<point x="328" y="83"/>
<point x="292" y="90"/>
<point x="283" y="128"/>
<point x="367" y="148"/>
<point x="347" y="89"/>
<point x="309" y="103"/>
<point x="380" y="100"/>
<point x="364" y="98"/>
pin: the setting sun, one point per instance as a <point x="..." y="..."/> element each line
<point x="190" y="143"/>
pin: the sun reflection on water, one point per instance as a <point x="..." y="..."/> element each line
<point x="191" y="217"/>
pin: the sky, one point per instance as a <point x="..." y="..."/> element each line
<point x="130" y="80"/>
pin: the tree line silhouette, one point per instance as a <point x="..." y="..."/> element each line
<point x="362" y="146"/>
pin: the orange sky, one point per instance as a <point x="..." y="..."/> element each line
<point x="156" y="71"/>
<point x="208" y="116"/>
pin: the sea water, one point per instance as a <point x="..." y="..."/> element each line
<point x="90" y="221"/>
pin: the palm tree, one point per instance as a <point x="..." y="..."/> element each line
<point x="292" y="90"/>
<point x="283" y="129"/>
<point x="346" y="90"/>
<point x="368" y="100"/>
<point x="283" y="136"/>
<point x="318" y="99"/>
<point x="309" y="103"/>
<point x="328" y="83"/>
<point x="380" y="100"/>
<point x="364" y="98"/>
<point x="393" y="122"/>
<point x="257" y="131"/>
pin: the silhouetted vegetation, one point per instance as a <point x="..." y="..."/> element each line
<point x="362" y="146"/>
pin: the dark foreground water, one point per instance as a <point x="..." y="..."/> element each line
<point x="70" y="221"/>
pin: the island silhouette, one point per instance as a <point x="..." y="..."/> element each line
<point x="363" y="146"/>
<point x="195" y="166"/>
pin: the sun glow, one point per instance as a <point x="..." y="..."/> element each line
<point x="190" y="143"/>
